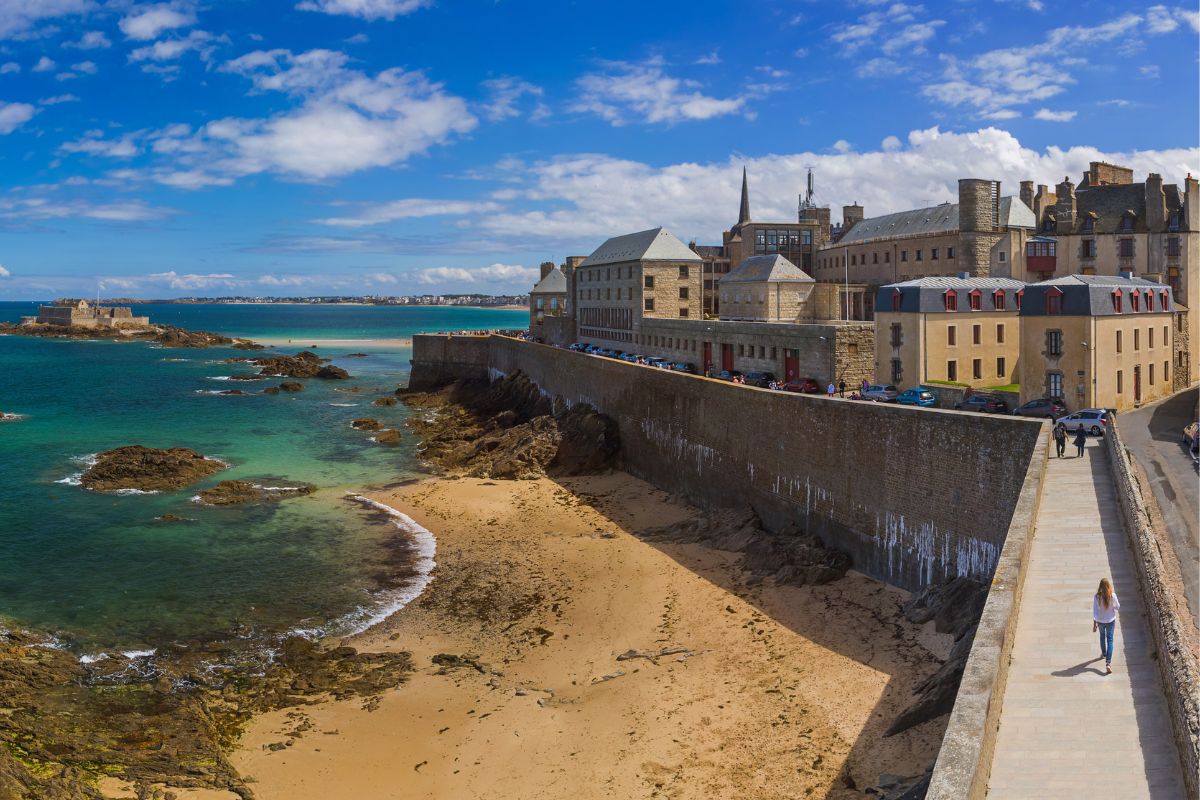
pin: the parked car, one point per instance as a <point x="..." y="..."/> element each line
<point x="803" y="386"/>
<point x="760" y="379"/>
<point x="881" y="393"/>
<point x="917" y="396"/>
<point x="683" y="366"/>
<point x="1042" y="407"/>
<point x="1092" y="420"/>
<point x="655" y="361"/>
<point x="983" y="403"/>
<point x="580" y="346"/>
<point x="630" y="357"/>
<point x="729" y="374"/>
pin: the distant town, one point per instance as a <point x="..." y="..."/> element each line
<point x="474" y="300"/>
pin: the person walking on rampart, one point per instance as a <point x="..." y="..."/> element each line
<point x="841" y="388"/>
<point x="1060" y="439"/>
<point x="1105" y="606"/>
<point x="830" y="389"/>
<point x="1080" y="441"/>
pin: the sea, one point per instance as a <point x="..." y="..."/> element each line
<point x="98" y="572"/>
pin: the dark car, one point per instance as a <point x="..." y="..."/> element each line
<point x="1042" y="407"/>
<point x="683" y="366"/>
<point x="983" y="403"/>
<point x="803" y="386"/>
<point x="729" y="375"/>
<point x="760" y="379"/>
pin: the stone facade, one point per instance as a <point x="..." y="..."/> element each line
<point x="84" y="315"/>
<point x="547" y="299"/>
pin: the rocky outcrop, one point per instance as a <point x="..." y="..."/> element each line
<point x="148" y="469"/>
<point x="291" y="386"/>
<point x="509" y="430"/>
<point x="366" y="424"/>
<point x="228" y="493"/>
<point x="232" y="391"/>
<point x="387" y="436"/>
<point x="170" y="336"/>
<point x="305" y="364"/>
<point x="164" y="335"/>
<point x="955" y="608"/>
<point x="385" y="401"/>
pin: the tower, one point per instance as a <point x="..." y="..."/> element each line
<point x="744" y="211"/>
<point x="978" y="224"/>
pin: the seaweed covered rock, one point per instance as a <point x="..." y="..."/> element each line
<point x="366" y="424"/>
<point x="147" y="469"/>
<point x="305" y="364"/>
<point x="388" y="436"/>
<point x="228" y="493"/>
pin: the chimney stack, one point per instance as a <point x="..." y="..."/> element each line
<point x="1156" y="203"/>
<point x="1064" y="214"/>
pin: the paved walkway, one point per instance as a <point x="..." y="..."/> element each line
<point x="1067" y="730"/>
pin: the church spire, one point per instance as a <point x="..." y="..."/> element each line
<point x="744" y="212"/>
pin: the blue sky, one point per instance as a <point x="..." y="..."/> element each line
<point x="412" y="146"/>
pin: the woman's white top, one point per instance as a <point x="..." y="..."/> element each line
<point x="1101" y="614"/>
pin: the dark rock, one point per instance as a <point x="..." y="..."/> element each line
<point x="147" y="469"/>
<point x="330" y="372"/>
<point x="232" y="391"/>
<point x="170" y="518"/>
<point x="955" y="606"/>
<point x="355" y="355"/>
<point x="936" y="694"/>
<point x="227" y="493"/>
<point x="388" y="436"/>
<point x="291" y="386"/>
<point x="385" y="401"/>
<point x="367" y="424"/>
<point x="304" y="364"/>
<point x="271" y="390"/>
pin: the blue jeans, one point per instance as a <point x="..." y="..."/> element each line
<point x="1106" y="640"/>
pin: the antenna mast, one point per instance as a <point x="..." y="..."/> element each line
<point x="806" y="200"/>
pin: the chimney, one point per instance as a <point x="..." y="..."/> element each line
<point x="1191" y="203"/>
<point x="1128" y="274"/>
<point x="964" y="275"/>
<point x="851" y="216"/>
<point x="1064" y="213"/>
<point x="1156" y="203"/>
<point x="1027" y="193"/>
<point x="546" y="267"/>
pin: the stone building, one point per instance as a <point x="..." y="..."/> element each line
<point x="82" y="314"/>
<point x="716" y="266"/>
<point x="1097" y="341"/>
<point x="548" y="298"/>
<point x="630" y="278"/>
<point x="1108" y="225"/>
<point x="983" y="235"/>
<point x="797" y="241"/>
<point x="765" y="289"/>
<point x="960" y="331"/>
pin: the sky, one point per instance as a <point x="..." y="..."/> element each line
<point x="393" y="147"/>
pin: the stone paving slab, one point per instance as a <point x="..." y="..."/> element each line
<point x="1067" y="730"/>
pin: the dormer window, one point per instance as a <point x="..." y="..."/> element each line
<point x="1135" y="301"/>
<point x="1054" y="300"/>
<point x="1149" y="300"/>
<point x="951" y="300"/>
<point x="1020" y="295"/>
<point x="1166" y="300"/>
<point x="998" y="299"/>
<point x="1127" y="223"/>
<point x="976" y="299"/>
<point x="1089" y="225"/>
<point x="896" y="297"/>
<point x="1117" y="300"/>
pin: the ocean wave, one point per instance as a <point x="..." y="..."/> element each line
<point x="175" y="360"/>
<point x="344" y="405"/>
<point x="132" y="491"/>
<point x="6" y="417"/>
<point x="76" y="478"/>
<point x="130" y="654"/>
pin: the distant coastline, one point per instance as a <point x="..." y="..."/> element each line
<point x="508" y="301"/>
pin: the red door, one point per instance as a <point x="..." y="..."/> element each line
<point x="707" y="356"/>
<point x="791" y="365"/>
<point x="727" y="357"/>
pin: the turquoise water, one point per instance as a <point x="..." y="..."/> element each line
<point x="99" y="572"/>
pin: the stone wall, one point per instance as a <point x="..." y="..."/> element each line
<point x="913" y="495"/>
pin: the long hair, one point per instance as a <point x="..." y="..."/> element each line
<point x="1104" y="593"/>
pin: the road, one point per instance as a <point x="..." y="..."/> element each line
<point x="1154" y="435"/>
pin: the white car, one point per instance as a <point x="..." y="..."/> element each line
<point x="881" y="394"/>
<point x="1092" y="420"/>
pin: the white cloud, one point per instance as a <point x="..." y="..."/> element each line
<point x="283" y="280"/>
<point x="505" y="92"/>
<point x="880" y="68"/>
<point x="97" y="145"/>
<point x="41" y="208"/>
<point x="1046" y="115"/>
<point x="147" y="22"/>
<point x="14" y="115"/>
<point x="86" y="67"/>
<point x="382" y="277"/>
<point x="18" y="16"/>
<point x="1000" y="114"/>
<point x="891" y="144"/>
<point x="575" y="202"/>
<point x="59" y="98"/>
<point x="494" y="273"/>
<point x="408" y="209"/>
<point x="644" y="90"/>
<point x="358" y="38"/>
<point x="911" y="39"/>
<point x="1150" y="71"/>
<point x="800" y="52"/>
<point x="1161" y="19"/>
<point x="842" y="146"/>
<point x="10" y="68"/>
<point x="4" y="273"/>
<point x="712" y="58"/>
<point x="44" y="64"/>
<point x="1117" y="102"/>
<point x="193" y="280"/>
<point x="202" y="42"/>
<point x="92" y="40"/>
<point x="366" y="9"/>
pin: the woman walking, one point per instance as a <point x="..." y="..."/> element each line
<point x="1080" y="441"/>
<point x="1105" y="606"/>
<point x="1060" y="439"/>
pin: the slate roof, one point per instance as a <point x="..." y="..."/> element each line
<point x="1091" y="295"/>
<point x="933" y="220"/>
<point x="928" y="294"/>
<point x="554" y="283"/>
<point x="1108" y="204"/>
<point x="767" y="269"/>
<point x="656" y="244"/>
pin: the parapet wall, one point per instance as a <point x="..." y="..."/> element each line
<point x="913" y="495"/>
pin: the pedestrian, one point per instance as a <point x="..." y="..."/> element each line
<point x="1060" y="439"/>
<point x="842" y="388"/>
<point x="865" y="384"/>
<point x="1105" y="606"/>
<point x="830" y="389"/>
<point x="1080" y="440"/>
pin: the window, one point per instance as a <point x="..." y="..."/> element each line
<point x="1166" y="371"/>
<point x="1151" y="374"/>
<point x="539" y="304"/>
<point x="1053" y="301"/>
<point x="806" y="237"/>
<point x="1126" y="223"/>
<point x="904" y="255"/>
<point x="918" y="255"/>
<point x="1087" y="248"/>
<point x="1054" y="344"/>
<point x="874" y="258"/>
<point x="1000" y="333"/>
<point x="1003" y="256"/>
<point x="1119" y="349"/>
<point x="1000" y="371"/>
<point x="1166" y="335"/>
<point x="649" y="282"/>
<point x="1116" y="300"/>
<point x="949" y="252"/>
<point x="608" y="294"/>
<point x="1048" y="224"/>
<point x="933" y="254"/>
<point x="1173" y="245"/>
<point x="897" y="370"/>
<point x="683" y="312"/>
<point x="1165" y="297"/>
<point x="951" y="370"/>
<point x="897" y="336"/>
<point x="1149" y="300"/>
<point x="951" y="335"/>
<point x="683" y="293"/>
<point x="1137" y="340"/>
<point x="1120" y="382"/>
<point x="977" y="368"/>
<point x="683" y="270"/>
<point x="896" y="297"/>
<point x="1150" y="338"/>
<point x="976" y="300"/>
<point x="1173" y="221"/>
<point x="649" y="304"/>
<point x="887" y="257"/>
<point x="998" y="299"/>
<point x="1054" y="385"/>
<point x="950" y="298"/>
<point x="1020" y="295"/>
<point x="1089" y="225"/>
<point x="1125" y="248"/>
<point x="977" y="334"/>
<point x="1135" y="300"/>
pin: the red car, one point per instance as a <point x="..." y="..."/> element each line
<point x="803" y="386"/>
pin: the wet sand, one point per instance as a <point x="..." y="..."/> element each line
<point x="766" y="692"/>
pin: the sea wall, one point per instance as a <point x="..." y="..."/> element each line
<point x="915" y="496"/>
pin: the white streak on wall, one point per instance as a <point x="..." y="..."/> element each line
<point x="671" y="441"/>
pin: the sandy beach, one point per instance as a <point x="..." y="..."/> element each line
<point x="525" y="689"/>
<point x="378" y="344"/>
